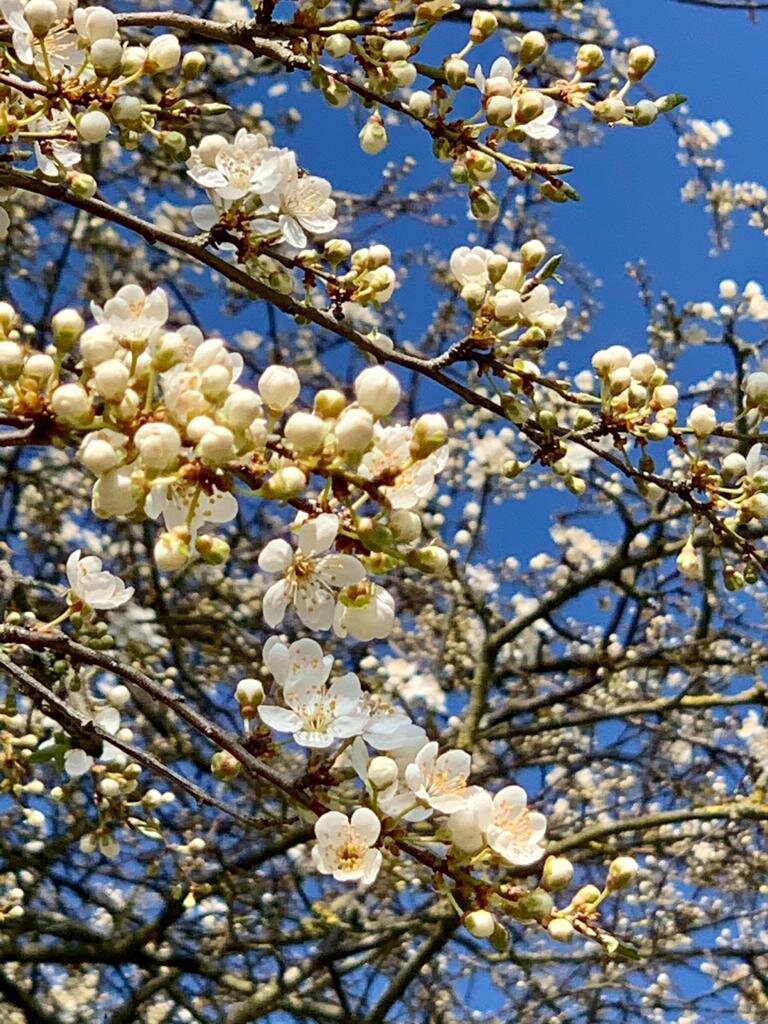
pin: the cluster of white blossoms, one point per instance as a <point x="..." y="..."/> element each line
<point x="506" y="296"/>
<point x="406" y="778"/>
<point x="258" y="192"/>
<point x="72" y="87"/>
<point x="636" y="393"/>
<point x="160" y="418"/>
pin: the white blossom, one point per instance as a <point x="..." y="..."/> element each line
<point x="439" y="781"/>
<point x="345" y="846"/>
<point x="94" y="586"/>
<point x="310" y="577"/>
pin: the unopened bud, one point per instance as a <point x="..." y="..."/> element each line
<point x="532" y="46"/>
<point x="192" y="65"/>
<point x="557" y="873"/>
<point x="382" y="772"/>
<point x="431" y="559"/>
<point x="480" y="923"/>
<point x="456" y="71"/>
<point x="586" y="896"/>
<point x="224" y="765"/>
<point x="561" y="930"/>
<point x="249" y="694"/>
<point x="610" y="110"/>
<point x="589" y="58"/>
<point x="373" y="136"/>
<point x="483" y="25"/>
<point x="641" y="60"/>
<point x="621" y="873"/>
<point x="212" y="550"/>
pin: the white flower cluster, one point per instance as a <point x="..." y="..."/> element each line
<point x="406" y="780"/>
<point x="636" y="393"/>
<point x="258" y="187"/>
<point x="160" y="418"/>
<point x="77" y="53"/>
<point x="501" y="292"/>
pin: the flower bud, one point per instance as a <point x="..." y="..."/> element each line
<point x="733" y="466"/>
<point x="483" y="204"/>
<point x="532" y="46"/>
<point x="338" y="45"/>
<point x="420" y="103"/>
<point x="249" y="694"/>
<point x="305" y="432"/>
<point x="279" y="386"/>
<point x="336" y="251"/>
<point x="126" y="110"/>
<point x="532" y="253"/>
<point x="483" y="25"/>
<point x="377" y="390"/>
<point x="641" y="60"/>
<point x="106" y="55"/>
<point x="39" y="367"/>
<point x="329" y="403"/>
<point x="70" y="403"/>
<point x="212" y="550"/>
<point x="642" y="367"/>
<point x="192" y="65"/>
<point x="241" y="408"/>
<point x="7" y="317"/>
<point x="354" y="430"/>
<point x="610" y="110"/>
<point x="456" y="71"/>
<point x="586" y="896"/>
<point x="405" y="525"/>
<point x="431" y="559"/>
<point x="379" y="256"/>
<point x="158" y="444"/>
<point x="171" y="551"/>
<point x="702" y="421"/>
<point x="430" y="432"/>
<point x="382" y="772"/>
<point x="115" y="493"/>
<point x="94" y="23"/>
<point x="83" y="186"/>
<point x="98" y="455"/>
<point x="373" y="136"/>
<point x="11" y="360"/>
<point x="756" y="388"/>
<point x="507" y="305"/>
<point x="224" y="765"/>
<point x="498" y="110"/>
<point x="217" y="445"/>
<point x="644" y="113"/>
<point x="480" y="923"/>
<point x="529" y="107"/>
<point x="534" y="905"/>
<point x="560" y="929"/>
<point x="621" y="873"/>
<point x="110" y="379"/>
<point x="134" y="59"/>
<point x="286" y="483"/>
<point x="93" y="126"/>
<point x="556" y="874"/>
<point x="163" y="53"/>
<point x="665" y="396"/>
<point x="40" y="15"/>
<point x="589" y="57"/>
<point x="404" y="73"/>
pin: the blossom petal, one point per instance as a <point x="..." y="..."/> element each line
<point x="276" y="556"/>
<point x="366" y="824"/>
<point x="279" y="719"/>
